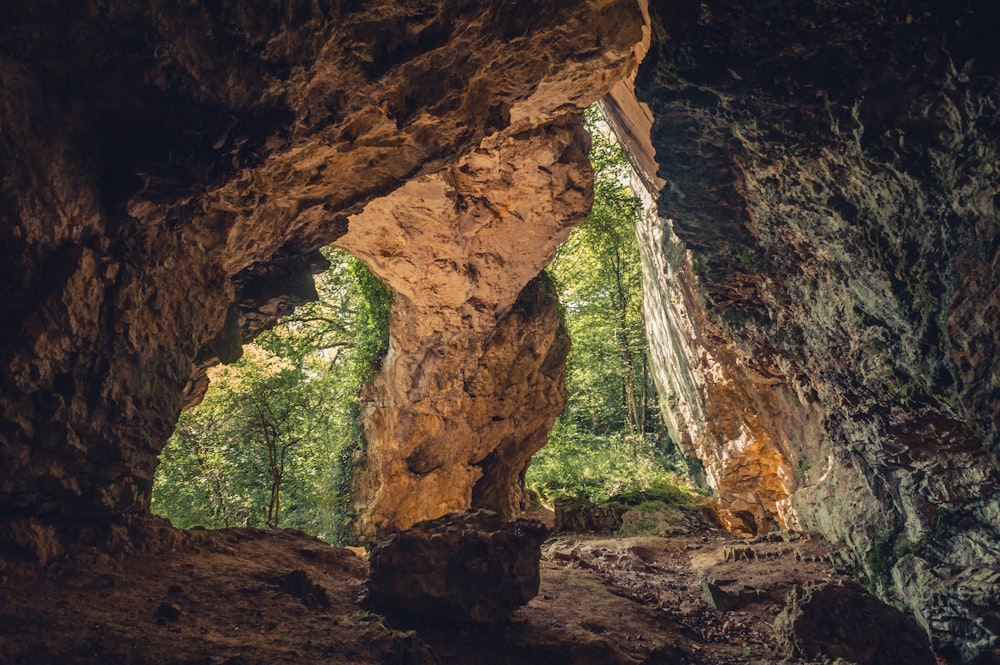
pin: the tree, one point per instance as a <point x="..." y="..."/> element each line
<point x="600" y="278"/>
<point x="611" y="410"/>
<point x="271" y="442"/>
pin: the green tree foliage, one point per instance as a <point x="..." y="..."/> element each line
<point x="610" y="437"/>
<point x="275" y="436"/>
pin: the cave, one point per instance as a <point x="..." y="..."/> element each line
<point x="821" y="254"/>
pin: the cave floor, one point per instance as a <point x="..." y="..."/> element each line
<point x="241" y="596"/>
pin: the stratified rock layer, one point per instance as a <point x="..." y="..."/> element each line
<point x="823" y="264"/>
<point x="472" y="566"/>
<point x="169" y="171"/>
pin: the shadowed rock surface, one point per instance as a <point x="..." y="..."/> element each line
<point x="473" y="566"/>
<point x="170" y="170"/>
<point x="822" y="254"/>
<point x="842" y="620"/>
<point x="821" y="261"/>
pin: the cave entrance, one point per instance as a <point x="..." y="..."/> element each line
<point x="272" y="442"/>
<point x="610" y="440"/>
<point x="277" y="438"/>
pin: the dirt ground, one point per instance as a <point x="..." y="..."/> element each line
<point x="242" y="596"/>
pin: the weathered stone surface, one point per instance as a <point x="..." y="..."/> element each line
<point x="473" y="566"/>
<point x="578" y="516"/>
<point x="474" y="376"/>
<point x="830" y="620"/>
<point x="822" y="269"/>
<point x="169" y="170"/>
<point x="764" y="569"/>
<point x="823" y="262"/>
<point x="453" y="421"/>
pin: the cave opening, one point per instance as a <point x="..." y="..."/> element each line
<point x="273" y="441"/>
<point x="611" y="439"/>
<point x="825" y="332"/>
<point x="276" y="440"/>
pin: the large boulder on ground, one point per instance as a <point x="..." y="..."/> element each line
<point x="842" y="620"/>
<point x="471" y="566"/>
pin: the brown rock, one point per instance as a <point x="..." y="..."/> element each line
<point x="298" y="583"/>
<point x="843" y="620"/>
<point x="169" y="173"/>
<point x="452" y="425"/>
<point x="578" y="516"/>
<point x="471" y="566"/>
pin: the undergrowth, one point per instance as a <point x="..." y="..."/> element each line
<point x="600" y="468"/>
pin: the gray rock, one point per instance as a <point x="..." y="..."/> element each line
<point x="577" y="516"/>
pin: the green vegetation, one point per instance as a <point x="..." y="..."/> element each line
<point x="277" y="435"/>
<point x="277" y="439"/>
<point x="610" y="438"/>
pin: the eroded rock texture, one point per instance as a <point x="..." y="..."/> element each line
<point x="474" y="377"/>
<point x="473" y="567"/>
<point x="826" y="620"/>
<point x="824" y="264"/>
<point x="169" y="170"/>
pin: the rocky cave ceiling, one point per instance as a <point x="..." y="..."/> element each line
<point x="820" y="251"/>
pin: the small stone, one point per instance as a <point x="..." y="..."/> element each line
<point x="298" y="583"/>
<point x="168" y="612"/>
<point x="717" y="598"/>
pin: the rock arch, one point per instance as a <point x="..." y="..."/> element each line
<point x="169" y="171"/>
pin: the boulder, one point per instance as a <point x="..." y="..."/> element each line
<point x="842" y="620"/>
<point x="579" y="516"/>
<point x="472" y="566"/>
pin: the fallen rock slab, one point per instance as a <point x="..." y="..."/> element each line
<point x="843" y="620"/>
<point x="473" y="567"/>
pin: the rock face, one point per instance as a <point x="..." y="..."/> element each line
<point x="842" y="620"/>
<point x="821" y="253"/>
<point x="473" y="566"/>
<point x="575" y="516"/>
<point x="474" y="376"/>
<point x="169" y="171"/>
<point x="455" y="425"/>
<point x="822" y="281"/>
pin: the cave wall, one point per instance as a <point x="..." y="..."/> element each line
<point x="168" y="171"/>
<point x="821" y="249"/>
<point x="822" y="254"/>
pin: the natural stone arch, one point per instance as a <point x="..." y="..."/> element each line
<point x="170" y="192"/>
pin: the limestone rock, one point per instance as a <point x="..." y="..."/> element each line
<point x="946" y="601"/>
<point x="578" y="516"/>
<point x="169" y="171"/>
<point x="763" y="569"/>
<point x="474" y="376"/>
<point x="453" y="421"/>
<point x="826" y="620"/>
<point x="820" y="261"/>
<point x="471" y="566"/>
